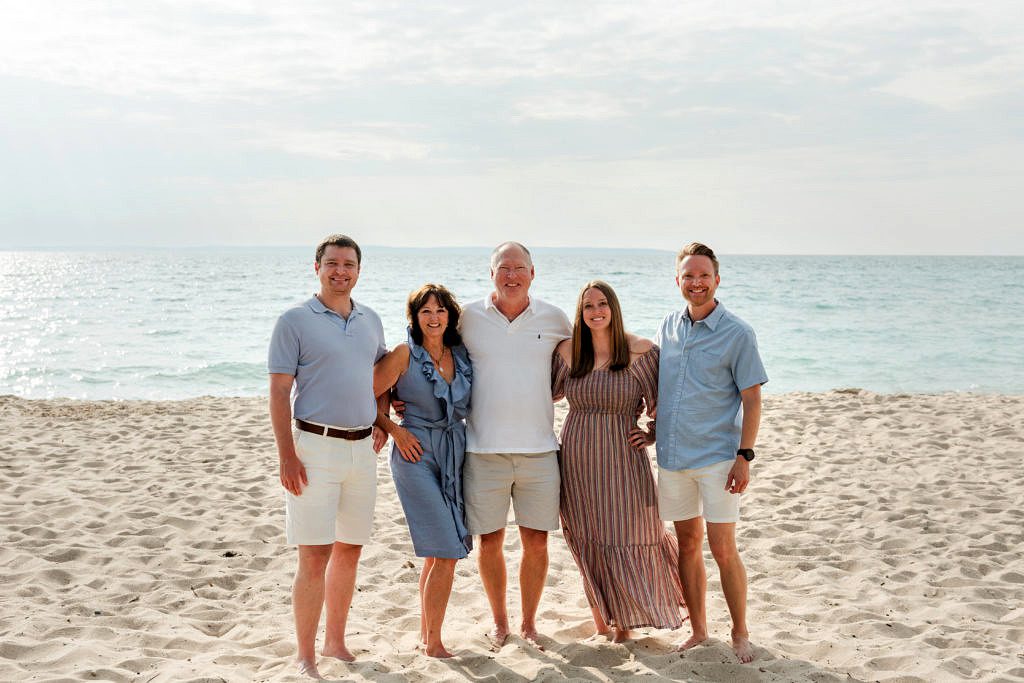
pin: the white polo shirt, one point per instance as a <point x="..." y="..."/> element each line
<point x="511" y="410"/>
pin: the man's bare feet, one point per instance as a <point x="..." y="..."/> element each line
<point x="438" y="651"/>
<point x="691" y="642"/>
<point x="497" y="637"/>
<point x="621" y="635"/>
<point x="307" y="667"/>
<point x="338" y="652"/>
<point x="532" y="637"/>
<point x="743" y="649"/>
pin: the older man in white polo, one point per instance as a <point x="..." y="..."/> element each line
<point x="511" y="446"/>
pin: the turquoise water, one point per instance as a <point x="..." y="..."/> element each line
<point x="180" y="323"/>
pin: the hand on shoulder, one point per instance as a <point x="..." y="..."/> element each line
<point x="639" y="345"/>
<point x="564" y="349"/>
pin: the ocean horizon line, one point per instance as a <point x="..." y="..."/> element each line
<point x="472" y="249"/>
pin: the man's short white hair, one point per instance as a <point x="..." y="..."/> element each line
<point x="505" y="246"/>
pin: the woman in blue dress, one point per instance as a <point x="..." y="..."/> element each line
<point x="431" y="373"/>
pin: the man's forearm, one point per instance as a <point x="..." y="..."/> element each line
<point x="751" y="399"/>
<point x="383" y="420"/>
<point x="281" y="421"/>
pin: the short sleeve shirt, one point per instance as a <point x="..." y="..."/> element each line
<point x="332" y="361"/>
<point x="704" y="366"/>
<point x="511" y="409"/>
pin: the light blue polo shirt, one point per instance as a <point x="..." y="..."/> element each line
<point x="332" y="361"/>
<point x="703" y="367"/>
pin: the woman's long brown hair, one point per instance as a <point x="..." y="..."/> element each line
<point x="583" y="342"/>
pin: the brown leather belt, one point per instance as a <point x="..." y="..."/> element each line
<point x="347" y="434"/>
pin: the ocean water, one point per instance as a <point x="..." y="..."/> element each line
<point x="168" y="324"/>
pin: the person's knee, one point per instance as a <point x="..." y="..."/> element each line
<point x="346" y="552"/>
<point x="445" y="565"/>
<point x="534" y="541"/>
<point x="313" y="559"/>
<point x="724" y="550"/>
<point x="493" y="541"/>
<point x="690" y="537"/>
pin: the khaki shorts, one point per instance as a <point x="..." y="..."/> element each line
<point x="530" y="481"/>
<point x="337" y="504"/>
<point x="685" y="494"/>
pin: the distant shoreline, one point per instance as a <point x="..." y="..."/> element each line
<point x="99" y="249"/>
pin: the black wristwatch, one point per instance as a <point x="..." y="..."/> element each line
<point x="747" y="453"/>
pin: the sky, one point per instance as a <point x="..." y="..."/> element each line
<point x="758" y="127"/>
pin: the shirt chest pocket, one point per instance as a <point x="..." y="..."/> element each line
<point x="711" y="369"/>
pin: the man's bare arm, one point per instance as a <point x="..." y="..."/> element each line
<point x="291" y="470"/>
<point x="380" y="431"/>
<point x="751" y="399"/>
<point x="739" y="475"/>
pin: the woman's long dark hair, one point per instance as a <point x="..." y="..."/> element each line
<point x="583" y="342"/>
<point x="418" y="299"/>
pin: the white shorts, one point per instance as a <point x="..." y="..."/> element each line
<point x="530" y="481"/>
<point x="685" y="494"/>
<point x="337" y="504"/>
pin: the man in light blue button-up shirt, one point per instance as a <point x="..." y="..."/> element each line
<point x="709" y="370"/>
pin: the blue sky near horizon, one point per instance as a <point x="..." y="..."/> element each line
<point x="760" y="127"/>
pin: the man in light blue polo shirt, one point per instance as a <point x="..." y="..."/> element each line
<point x="709" y="369"/>
<point x="326" y="347"/>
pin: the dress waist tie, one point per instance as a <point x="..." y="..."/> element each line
<point x="446" y="440"/>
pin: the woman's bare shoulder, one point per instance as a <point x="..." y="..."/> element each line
<point x="639" y="345"/>
<point x="564" y="349"/>
<point x="397" y="356"/>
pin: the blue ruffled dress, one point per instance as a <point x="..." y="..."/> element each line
<point x="431" y="489"/>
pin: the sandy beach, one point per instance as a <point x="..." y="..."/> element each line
<point x="142" y="541"/>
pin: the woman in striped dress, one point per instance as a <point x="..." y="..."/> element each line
<point x="609" y="502"/>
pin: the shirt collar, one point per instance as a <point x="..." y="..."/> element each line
<point x="712" y="319"/>
<point x="489" y="303"/>
<point x="317" y="306"/>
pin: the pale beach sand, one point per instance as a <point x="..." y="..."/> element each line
<point x="142" y="541"/>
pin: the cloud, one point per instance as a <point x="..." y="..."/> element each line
<point x="351" y="144"/>
<point x="536" y="114"/>
<point x="567" y="106"/>
<point x="240" y="50"/>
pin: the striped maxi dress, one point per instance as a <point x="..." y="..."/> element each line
<point x="609" y="501"/>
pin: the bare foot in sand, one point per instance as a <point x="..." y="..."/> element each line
<point x="743" y="649"/>
<point x="621" y="635"/>
<point x="338" y="652"/>
<point x="692" y="642"/>
<point x="438" y="651"/>
<point x="497" y="637"/>
<point x="307" y="667"/>
<point x="532" y="637"/>
<point x="598" y="636"/>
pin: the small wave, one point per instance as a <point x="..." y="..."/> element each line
<point x="214" y="373"/>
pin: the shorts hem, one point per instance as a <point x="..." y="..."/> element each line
<point x="350" y="541"/>
<point x="539" y="527"/>
<point x="477" y="532"/>
<point x="293" y="541"/>
<point x="678" y="518"/>
<point x="719" y="521"/>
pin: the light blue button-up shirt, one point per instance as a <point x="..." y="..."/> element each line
<point x="332" y="361"/>
<point x="704" y="366"/>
